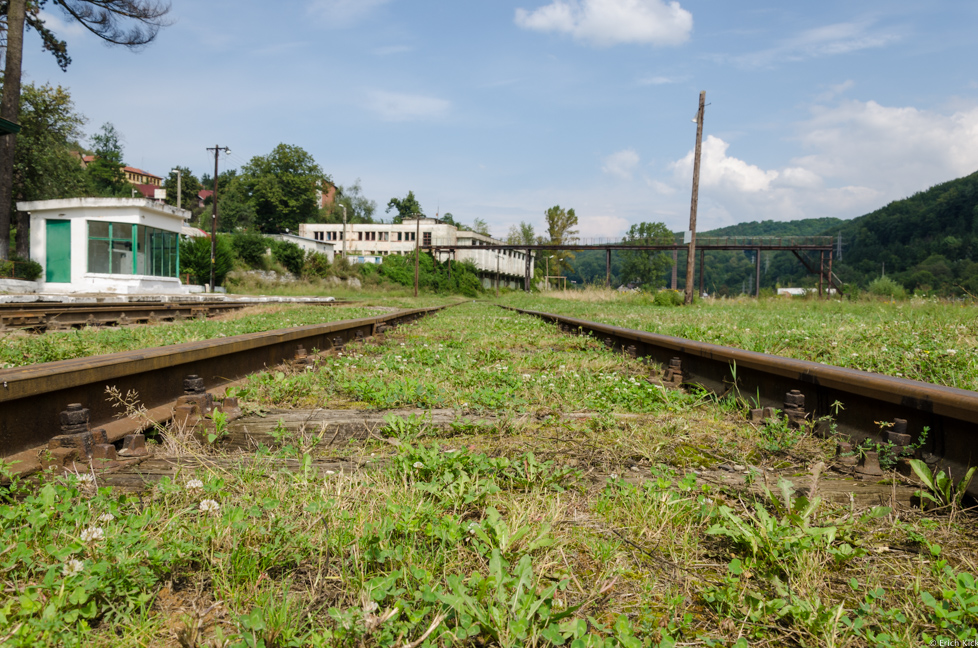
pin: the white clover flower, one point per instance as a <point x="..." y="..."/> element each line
<point x="330" y="472"/>
<point x="194" y="484"/>
<point x="106" y="517"/>
<point x="86" y="478"/>
<point x="951" y="351"/>
<point x="418" y="465"/>
<point x="526" y="376"/>
<point x="209" y="506"/>
<point x="72" y="567"/>
<point x="92" y="534"/>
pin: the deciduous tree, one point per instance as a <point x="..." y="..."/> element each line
<point x="405" y="207"/>
<point x="646" y="267"/>
<point x="105" y="171"/>
<point x="282" y="187"/>
<point x="560" y="226"/>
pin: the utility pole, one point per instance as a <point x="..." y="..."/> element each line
<point x="417" y="250"/>
<point x="217" y="149"/>
<point x="690" y="256"/>
<point x="343" y="207"/>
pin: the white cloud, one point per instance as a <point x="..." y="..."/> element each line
<point x="394" y="106"/>
<point x="601" y="226"/>
<point x="829" y="40"/>
<point x="612" y="22"/>
<point x="56" y="24"/>
<point x="898" y="150"/>
<point x="343" y="13"/>
<point x="717" y="169"/>
<point x="659" y="80"/>
<point x="621" y="164"/>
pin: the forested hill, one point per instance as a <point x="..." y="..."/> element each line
<point x="805" y="227"/>
<point x="927" y="242"/>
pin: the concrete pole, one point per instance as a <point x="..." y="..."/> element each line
<point x="757" y="273"/>
<point x="607" y="268"/>
<point x="691" y="255"/>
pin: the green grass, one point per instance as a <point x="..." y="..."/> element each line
<point x="533" y="528"/>
<point x="926" y="340"/>
<point x="19" y="349"/>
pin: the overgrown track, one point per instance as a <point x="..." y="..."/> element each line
<point x="32" y="397"/>
<point x="43" y="316"/>
<point x="862" y="405"/>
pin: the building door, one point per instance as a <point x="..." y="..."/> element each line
<point x="58" y="259"/>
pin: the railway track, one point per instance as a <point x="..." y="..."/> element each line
<point x="45" y="316"/>
<point x="62" y="405"/>
<point x="865" y="406"/>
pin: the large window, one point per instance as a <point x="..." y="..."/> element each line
<point x="121" y="248"/>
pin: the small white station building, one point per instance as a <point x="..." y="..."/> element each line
<point x="106" y="245"/>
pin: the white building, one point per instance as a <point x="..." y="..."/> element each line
<point x="106" y="245"/>
<point x="382" y="239"/>
<point x="307" y="244"/>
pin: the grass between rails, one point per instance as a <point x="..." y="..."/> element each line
<point x="926" y="340"/>
<point x="530" y="529"/>
<point x="19" y="348"/>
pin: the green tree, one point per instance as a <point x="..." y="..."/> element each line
<point x="282" y="187"/>
<point x="480" y="226"/>
<point x="189" y="189"/>
<point x="560" y="226"/>
<point x="195" y="258"/>
<point x="405" y="207"/>
<point x="236" y="208"/>
<point x="44" y="165"/>
<point x="521" y="234"/>
<point x="130" y="23"/>
<point x="105" y="171"/>
<point x="646" y="267"/>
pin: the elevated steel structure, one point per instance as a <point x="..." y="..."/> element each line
<point x="824" y="245"/>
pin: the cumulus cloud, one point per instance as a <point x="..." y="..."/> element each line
<point x="604" y="23"/>
<point x="898" y="150"/>
<point x="343" y="13"/>
<point x="828" y="40"/>
<point x="717" y="169"/>
<point x="621" y="164"/>
<point x="394" y="106"/>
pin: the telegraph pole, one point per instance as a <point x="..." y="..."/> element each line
<point x="690" y="256"/>
<point x="217" y="149"/>
<point x="417" y="250"/>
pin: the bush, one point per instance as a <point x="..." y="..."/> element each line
<point x="669" y="298"/>
<point x="317" y="265"/>
<point x="886" y="287"/>
<point x="18" y="268"/>
<point x="289" y="255"/>
<point x="195" y="258"/>
<point x="251" y="248"/>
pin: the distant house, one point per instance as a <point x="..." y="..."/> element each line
<point x="202" y="197"/>
<point x="145" y="182"/>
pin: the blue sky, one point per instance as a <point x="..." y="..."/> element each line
<point x="500" y="109"/>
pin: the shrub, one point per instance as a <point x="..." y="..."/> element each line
<point x="289" y="255"/>
<point x="195" y="258"/>
<point x="317" y="265"/>
<point x="669" y="298"/>
<point x="886" y="287"/>
<point x="251" y="248"/>
<point x="19" y="268"/>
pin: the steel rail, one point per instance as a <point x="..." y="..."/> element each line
<point x="869" y="401"/>
<point x="53" y="315"/>
<point x="32" y="397"/>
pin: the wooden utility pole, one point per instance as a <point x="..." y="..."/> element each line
<point x="217" y="150"/>
<point x="417" y="251"/>
<point x="691" y="255"/>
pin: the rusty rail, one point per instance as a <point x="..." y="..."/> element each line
<point x="32" y="397"/>
<point x="805" y="389"/>
<point x="50" y="316"/>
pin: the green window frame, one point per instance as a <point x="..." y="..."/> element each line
<point x="127" y="249"/>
